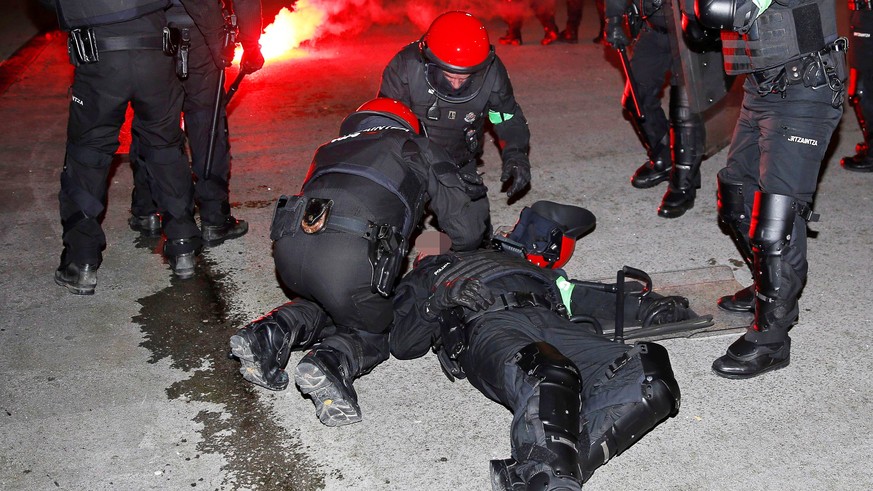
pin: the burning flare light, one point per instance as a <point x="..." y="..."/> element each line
<point x="281" y="38"/>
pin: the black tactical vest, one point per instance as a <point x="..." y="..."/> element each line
<point x="494" y="265"/>
<point x="375" y="155"/>
<point x="779" y="35"/>
<point x="74" y="14"/>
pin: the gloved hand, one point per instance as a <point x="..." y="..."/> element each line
<point x="218" y="51"/>
<point x="252" y="59"/>
<point x="615" y="33"/>
<point x="470" y="293"/>
<point x="474" y="186"/>
<point x="517" y="169"/>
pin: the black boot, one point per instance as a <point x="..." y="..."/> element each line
<point x="232" y="228"/>
<point x="550" y="34"/>
<point x="741" y="301"/>
<point x="148" y="225"/>
<point x="263" y="347"/>
<point x="182" y="256"/>
<point x="323" y="375"/>
<point x="513" y="34"/>
<point x="861" y="161"/>
<point x="766" y="346"/>
<point x="689" y="137"/>
<point x="569" y="35"/>
<point x="657" y="169"/>
<point x="80" y="279"/>
<point x="745" y="359"/>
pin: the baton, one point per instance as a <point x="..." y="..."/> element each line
<point x="234" y="87"/>
<point x="631" y="82"/>
<point x="216" y="111"/>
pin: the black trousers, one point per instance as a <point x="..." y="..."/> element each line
<point x="199" y="89"/>
<point x="100" y="95"/>
<point x="860" y="59"/>
<point x="331" y="271"/>
<point x="652" y="60"/>
<point x="490" y="366"/>
<point x="777" y="147"/>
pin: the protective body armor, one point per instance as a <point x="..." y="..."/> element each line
<point x="454" y="121"/>
<point x="177" y="16"/>
<point x="74" y="14"/>
<point x="779" y="35"/>
<point x="381" y="166"/>
<point x="497" y="265"/>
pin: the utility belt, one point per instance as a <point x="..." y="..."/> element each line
<point x="826" y="67"/>
<point x="860" y="4"/>
<point x="516" y="300"/>
<point x="84" y="47"/>
<point x="387" y="246"/>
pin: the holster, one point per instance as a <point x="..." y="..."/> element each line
<point x="82" y="47"/>
<point x="177" y="43"/>
<point x="452" y="342"/>
<point x="826" y="67"/>
<point x="388" y="248"/>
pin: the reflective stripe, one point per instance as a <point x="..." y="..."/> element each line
<point x="496" y="117"/>
<point x="566" y="289"/>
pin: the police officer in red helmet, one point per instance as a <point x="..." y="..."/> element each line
<point x="454" y="82"/>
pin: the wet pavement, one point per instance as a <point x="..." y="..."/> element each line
<point x="132" y="388"/>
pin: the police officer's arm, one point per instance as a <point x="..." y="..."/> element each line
<point x="412" y="334"/>
<point x="248" y="15"/>
<point x="731" y="15"/>
<point x="395" y="80"/>
<point x="613" y="27"/>
<point x="512" y="131"/>
<point x="462" y="222"/>
<point x="209" y="21"/>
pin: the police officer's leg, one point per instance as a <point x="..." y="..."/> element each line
<point x="735" y="213"/>
<point x="99" y="100"/>
<point x="624" y="399"/>
<point x="264" y="345"/>
<point x="650" y="63"/>
<point x="574" y="18"/>
<point x="157" y="105"/>
<point x="212" y="194"/>
<point x="143" y="210"/>
<point x="508" y="362"/>
<point x="789" y="169"/>
<point x="545" y="13"/>
<point x="860" y="85"/>
<point x="689" y="140"/>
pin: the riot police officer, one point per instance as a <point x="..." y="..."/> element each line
<point x="792" y="103"/>
<point x="201" y="56"/>
<point x="117" y="51"/>
<point x="577" y="397"/>
<point x="452" y="79"/>
<point x="675" y="146"/>
<point x="339" y="246"/>
<point x="861" y="82"/>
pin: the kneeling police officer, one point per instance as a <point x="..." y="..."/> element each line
<point x="339" y="246"/>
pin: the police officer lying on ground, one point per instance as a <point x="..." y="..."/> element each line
<point x="452" y="79"/>
<point x="577" y="397"/>
<point x="339" y="246"/>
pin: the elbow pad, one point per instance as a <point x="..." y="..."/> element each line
<point x="730" y="15"/>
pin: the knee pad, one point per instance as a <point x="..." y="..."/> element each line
<point x="555" y="405"/>
<point x="659" y="398"/>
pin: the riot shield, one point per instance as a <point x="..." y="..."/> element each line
<point x="711" y="93"/>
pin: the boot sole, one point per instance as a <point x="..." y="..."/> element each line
<point x="76" y="290"/>
<point x="331" y="406"/>
<point x="740" y="376"/>
<point x="241" y="347"/>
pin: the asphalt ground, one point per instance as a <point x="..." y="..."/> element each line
<point x="131" y="388"/>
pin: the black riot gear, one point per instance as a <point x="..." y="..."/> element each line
<point x="861" y="83"/>
<point x="74" y="14"/>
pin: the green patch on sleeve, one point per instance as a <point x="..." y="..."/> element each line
<point x="566" y="289"/>
<point x="497" y="118"/>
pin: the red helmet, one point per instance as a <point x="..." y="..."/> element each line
<point x="457" y="42"/>
<point x="381" y="106"/>
<point x="546" y="233"/>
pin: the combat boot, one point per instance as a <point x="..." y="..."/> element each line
<point x="323" y="375"/>
<point x="182" y="256"/>
<point x="80" y="279"/>
<point x="232" y="228"/>
<point x="860" y="162"/>
<point x="657" y="169"/>
<point x="745" y="359"/>
<point x="569" y="35"/>
<point x="550" y="34"/>
<point x="148" y="225"/>
<point x="263" y="347"/>
<point x="741" y="301"/>
<point x="688" y="139"/>
<point x="513" y="34"/>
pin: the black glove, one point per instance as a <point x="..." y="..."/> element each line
<point x="252" y="59"/>
<point x="615" y="34"/>
<point x="517" y="169"/>
<point x="218" y="51"/>
<point x="462" y="292"/>
<point x="664" y="310"/>
<point x="474" y="186"/>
